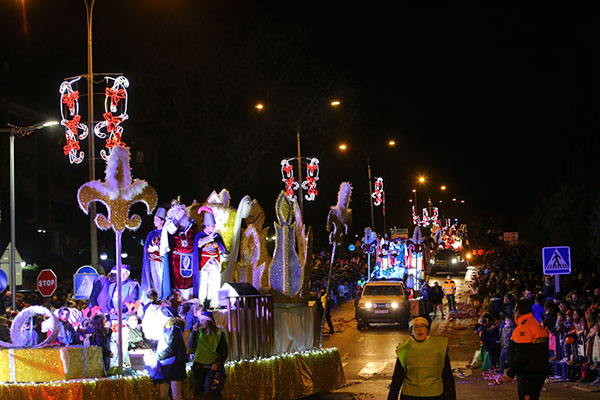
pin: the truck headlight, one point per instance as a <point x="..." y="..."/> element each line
<point x="454" y="261"/>
<point x="394" y="305"/>
<point x="368" y="305"/>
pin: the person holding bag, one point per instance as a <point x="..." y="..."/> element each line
<point x="171" y="356"/>
<point x="210" y="352"/>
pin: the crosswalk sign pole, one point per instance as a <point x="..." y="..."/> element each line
<point x="557" y="283"/>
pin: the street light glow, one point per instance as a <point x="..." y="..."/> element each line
<point x="443" y="187"/>
<point x="392" y="142"/>
<point x="335" y="103"/>
<point x="421" y="179"/>
<point x="259" y="106"/>
<point x="343" y="146"/>
<point x="45" y="124"/>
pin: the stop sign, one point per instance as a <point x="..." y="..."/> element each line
<point x="46" y="282"/>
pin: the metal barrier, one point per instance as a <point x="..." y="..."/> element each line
<point x="249" y="328"/>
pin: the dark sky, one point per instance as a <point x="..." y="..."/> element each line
<point x="499" y="104"/>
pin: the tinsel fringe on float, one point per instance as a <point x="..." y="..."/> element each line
<point x="285" y="376"/>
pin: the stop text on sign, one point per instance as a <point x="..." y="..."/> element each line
<point x="48" y="282"/>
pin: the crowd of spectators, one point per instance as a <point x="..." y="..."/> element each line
<point x="81" y="322"/>
<point x="347" y="277"/>
<point x="570" y="315"/>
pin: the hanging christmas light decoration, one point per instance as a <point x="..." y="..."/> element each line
<point x="287" y="174"/>
<point x="115" y="101"/>
<point x="378" y="192"/>
<point x="415" y="217"/>
<point x="312" y="176"/>
<point x="426" y="219"/>
<point x="435" y="216"/>
<point x="71" y="120"/>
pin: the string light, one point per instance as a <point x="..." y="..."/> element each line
<point x="287" y="174"/>
<point x="110" y="129"/>
<point x="71" y="120"/>
<point x="310" y="184"/>
<point x="378" y="192"/>
<point x="312" y="176"/>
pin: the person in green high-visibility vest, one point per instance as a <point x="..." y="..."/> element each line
<point x="209" y="346"/>
<point x="423" y="366"/>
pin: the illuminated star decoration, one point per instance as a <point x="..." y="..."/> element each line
<point x="287" y="176"/>
<point x="115" y="102"/>
<point x="378" y="192"/>
<point x="71" y="120"/>
<point x="312" y="176"/>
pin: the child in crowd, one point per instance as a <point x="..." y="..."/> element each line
<point x="507" y="330"/>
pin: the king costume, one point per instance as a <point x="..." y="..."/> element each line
<point x="177" y="243"/>
<point x="155" y="267"/>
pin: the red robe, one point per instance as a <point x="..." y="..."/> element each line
<point x="182" y="257"/>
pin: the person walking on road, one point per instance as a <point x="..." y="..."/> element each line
<point x="436" y="296"/>
<point x="422" y="368"/>
<point x="528" y="353"/>
<point x="449" y="288"/>
<point x="325" y="302"/>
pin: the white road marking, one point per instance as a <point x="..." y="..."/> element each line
<point x="360" y="339"/>
<point x="372" y="368"/>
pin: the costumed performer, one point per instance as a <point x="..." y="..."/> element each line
<point x="177" y="238"/>
<point x="155" y="269"/>
<point x="208" y="249"/>
<point x="130" y="290"/>
<point x="423" y="366"/>
<point x="99" y="295"/>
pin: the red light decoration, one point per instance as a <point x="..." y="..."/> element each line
<point x="71" y="120"/>
<point x="111" y="129"/>
<point x="425" y="220"/>
<point x="312" y="176"/>
<point x="287" y="174"/>
<point x="378" y="192"/>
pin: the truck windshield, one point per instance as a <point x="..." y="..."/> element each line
<point x="380" y="290"/>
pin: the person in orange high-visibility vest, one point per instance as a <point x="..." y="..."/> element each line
<point x="528" y="353"/>
<point x="449" y="288"/>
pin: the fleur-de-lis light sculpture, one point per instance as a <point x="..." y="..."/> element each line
<point x="118" y="193"/>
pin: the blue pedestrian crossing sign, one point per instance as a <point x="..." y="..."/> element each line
<point x="83" y="282"/>
<point x="556" y="260"/>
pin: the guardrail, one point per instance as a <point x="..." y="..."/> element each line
<point x="249" y="327"/>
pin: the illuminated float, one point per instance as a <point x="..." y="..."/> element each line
<point x="271" y="332"/>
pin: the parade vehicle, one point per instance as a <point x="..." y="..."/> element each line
<point x="448" y="261"/>
<point x="384" y="301"/>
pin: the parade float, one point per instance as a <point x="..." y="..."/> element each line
<point x="263" y="302"/>
<point x="399" y="258"/>
<point x="271" y="334"/>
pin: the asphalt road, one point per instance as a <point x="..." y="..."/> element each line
<point x="368" y="356"/>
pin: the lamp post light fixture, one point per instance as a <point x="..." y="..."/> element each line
<point x="17" y="131"/>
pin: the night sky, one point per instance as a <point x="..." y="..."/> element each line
<point x="500" y="105"/>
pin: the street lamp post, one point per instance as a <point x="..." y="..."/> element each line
<point x="370" y="192"/>
<point x="13" y="132"/>
<point x="260" y="107"/>
<point x="89" y="8"/>
<point x="299" y="170"/>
